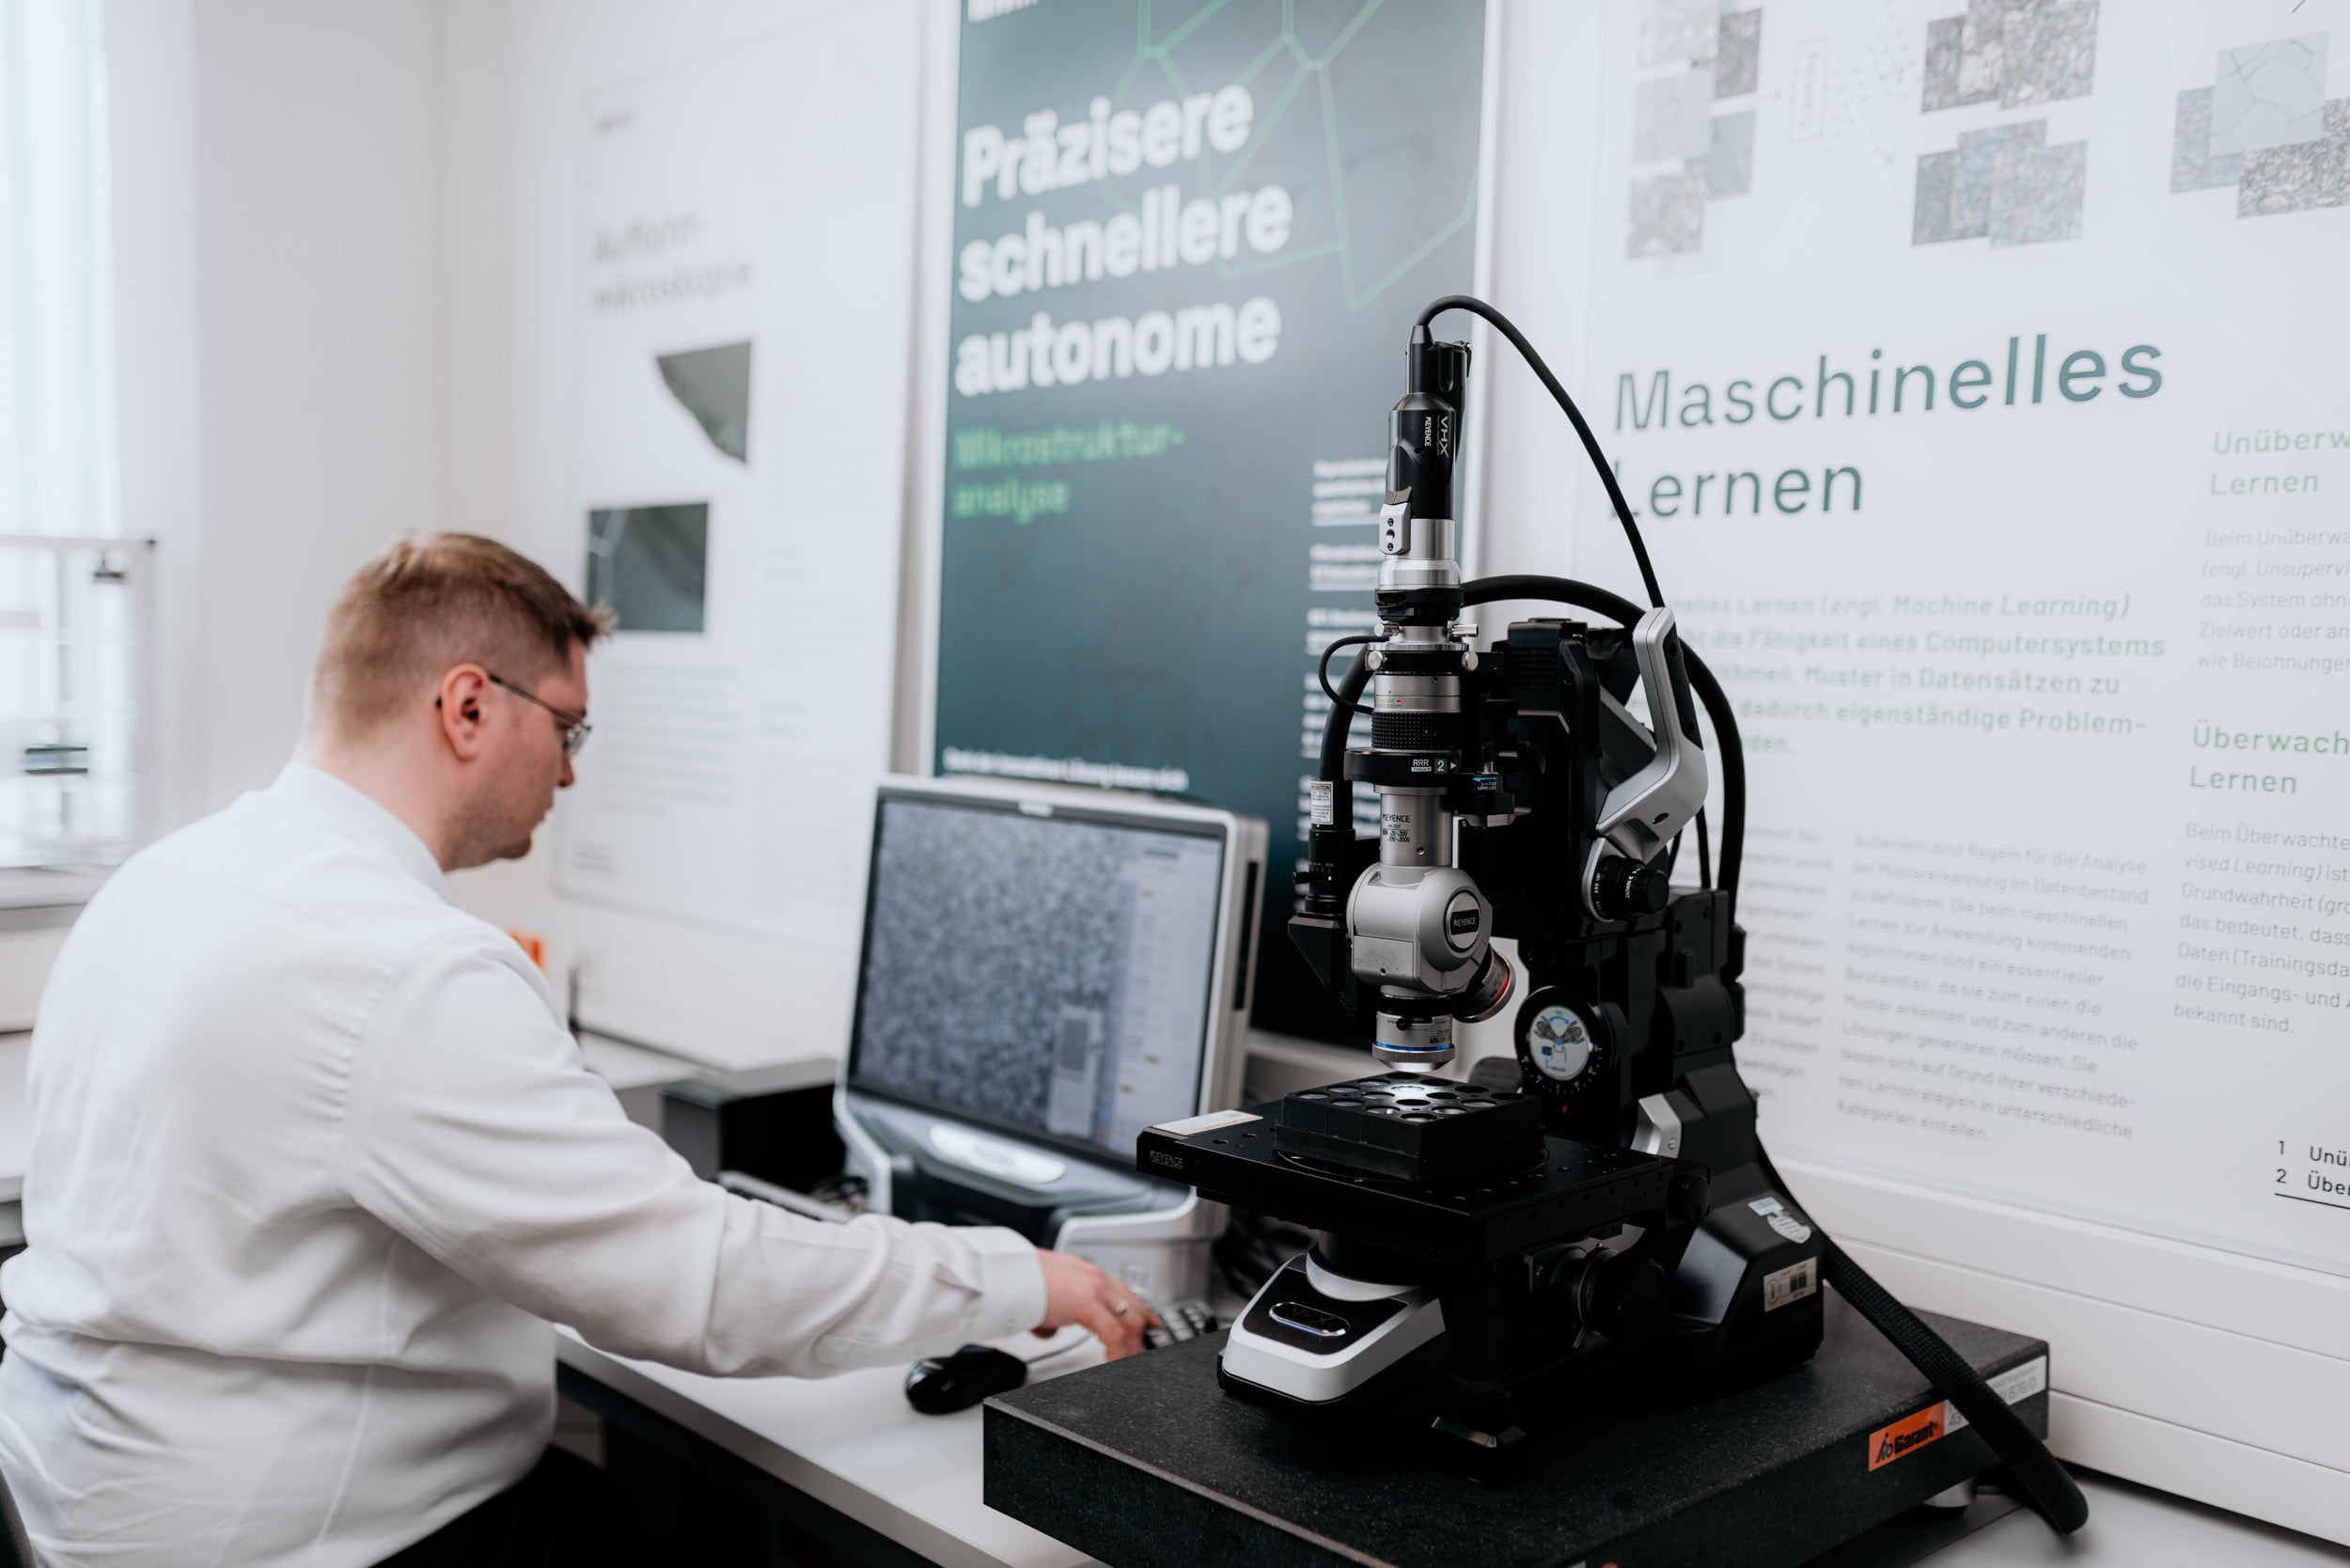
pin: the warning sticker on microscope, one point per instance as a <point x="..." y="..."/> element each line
<point x="1906" y="1435"/>
<point x="1207" y="1123"/>
<point x="1911" y="1432"/>
<point x="1792" y="1284"/>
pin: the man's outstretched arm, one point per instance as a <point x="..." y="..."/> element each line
<point x="475" y="1130"/>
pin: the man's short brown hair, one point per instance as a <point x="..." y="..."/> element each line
<point x="430" y="601"/>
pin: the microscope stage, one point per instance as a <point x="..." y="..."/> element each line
<point x="1565" y="1190"/>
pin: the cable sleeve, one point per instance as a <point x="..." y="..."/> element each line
<point x="2045" y="1480"/>
<point x="1502" y="325"/>
<point x="1322" y="673"/>
<point x="1340" y="723"/>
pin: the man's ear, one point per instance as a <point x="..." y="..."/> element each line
<point x="462" y="705"/>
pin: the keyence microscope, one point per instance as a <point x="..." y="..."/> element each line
<point x="1608" y="1211"/>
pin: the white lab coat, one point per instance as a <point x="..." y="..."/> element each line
<point x="315" y="1164"/>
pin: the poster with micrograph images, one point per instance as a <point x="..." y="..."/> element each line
<point x="1977" y="367"/>
<point x="1189" y="243"/>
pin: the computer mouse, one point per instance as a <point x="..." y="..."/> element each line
<point x="946" y="1383"/>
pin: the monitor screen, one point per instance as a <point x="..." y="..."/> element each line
<point x="1047" y="974"/>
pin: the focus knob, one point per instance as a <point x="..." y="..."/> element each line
<point x="1622" y="888"/>
<point x="1690" y="1196"/>
<point x="1627" y="1299"/>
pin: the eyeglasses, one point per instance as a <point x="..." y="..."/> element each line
<point x="575" y="729"/>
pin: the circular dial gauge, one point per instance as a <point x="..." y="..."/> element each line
<point x="1558" y="1043"/>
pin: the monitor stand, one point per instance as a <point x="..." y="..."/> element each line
<point x="922" y="1165"/>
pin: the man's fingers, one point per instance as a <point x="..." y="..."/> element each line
<point x="1137" y="1311"/>
<point x="1129" y="1323"/>
<point x="1079" y="1292"/>
<point x="1108" y="1329"/>
<point x="1137" y="1316"/>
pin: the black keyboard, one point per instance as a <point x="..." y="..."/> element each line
<point x="1186" y="1319"/>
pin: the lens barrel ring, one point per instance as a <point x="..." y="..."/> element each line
<point x="1415" y="731"/>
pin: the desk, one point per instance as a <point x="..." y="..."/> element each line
<point x="851" y="1444"/>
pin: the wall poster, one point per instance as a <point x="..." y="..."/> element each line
<point x="1978" y="372"/>
<point x="1189" y="242"/>
<point x="740" y="394"/>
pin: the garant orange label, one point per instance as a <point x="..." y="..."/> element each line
<point x="1911" y="1432"/>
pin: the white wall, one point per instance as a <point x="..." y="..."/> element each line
<point x="309" y="347"/>
<point x="310" y="332"/>
<point x="151" y="87"/>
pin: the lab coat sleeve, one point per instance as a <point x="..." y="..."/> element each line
<point x="474" y="1129"/>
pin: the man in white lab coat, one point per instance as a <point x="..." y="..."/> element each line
<point x="316" y="1164"/>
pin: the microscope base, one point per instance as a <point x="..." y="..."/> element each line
<point x="1141" y="1462"/>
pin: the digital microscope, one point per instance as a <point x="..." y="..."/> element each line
<point x="1608" y="1211"/>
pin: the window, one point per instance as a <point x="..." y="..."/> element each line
<point x="69" y="603"/>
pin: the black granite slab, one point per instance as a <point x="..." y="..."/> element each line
<point x="1146" y="1463"/>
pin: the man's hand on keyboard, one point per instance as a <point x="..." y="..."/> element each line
<point x="1078" y="1292"/>
<point x="1186" y="1319"/>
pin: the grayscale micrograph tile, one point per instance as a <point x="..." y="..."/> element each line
<point x="1983" y="61"/>
<point x="2192" y="165"/>
<point x="1729" y="166"/>
<point x="1988" y="162"/>
<point x="2336" y="192"/>
<point x="2004" y="183"/>
<point x="714" y="387"/>
<point x="2051" y="49"/>
<point x="2042" y="198"/>
<point x="2302" y="175"/>
<point x="2269" y="95"/>
<point x="1672" y="118"/>
<point x="1937" y="183"/>
<point x="1943" y="50"/>
<point x="2019" y="52"/>
<point x="1668" y="215"/>
<point x="650" y="564"/>
<point x="1738" y="55"/>
<point x="1674" y="30"/>
<point x="2280" y="180"/>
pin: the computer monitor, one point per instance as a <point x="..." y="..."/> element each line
<point x="1044" y="973"/>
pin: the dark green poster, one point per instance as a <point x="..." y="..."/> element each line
<point x="1189" y="241"/>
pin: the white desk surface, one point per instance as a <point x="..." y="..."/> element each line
<point x="43" y="887"/>
<point x="2130" y="1526"/>
<point x="852" y="1443"/>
